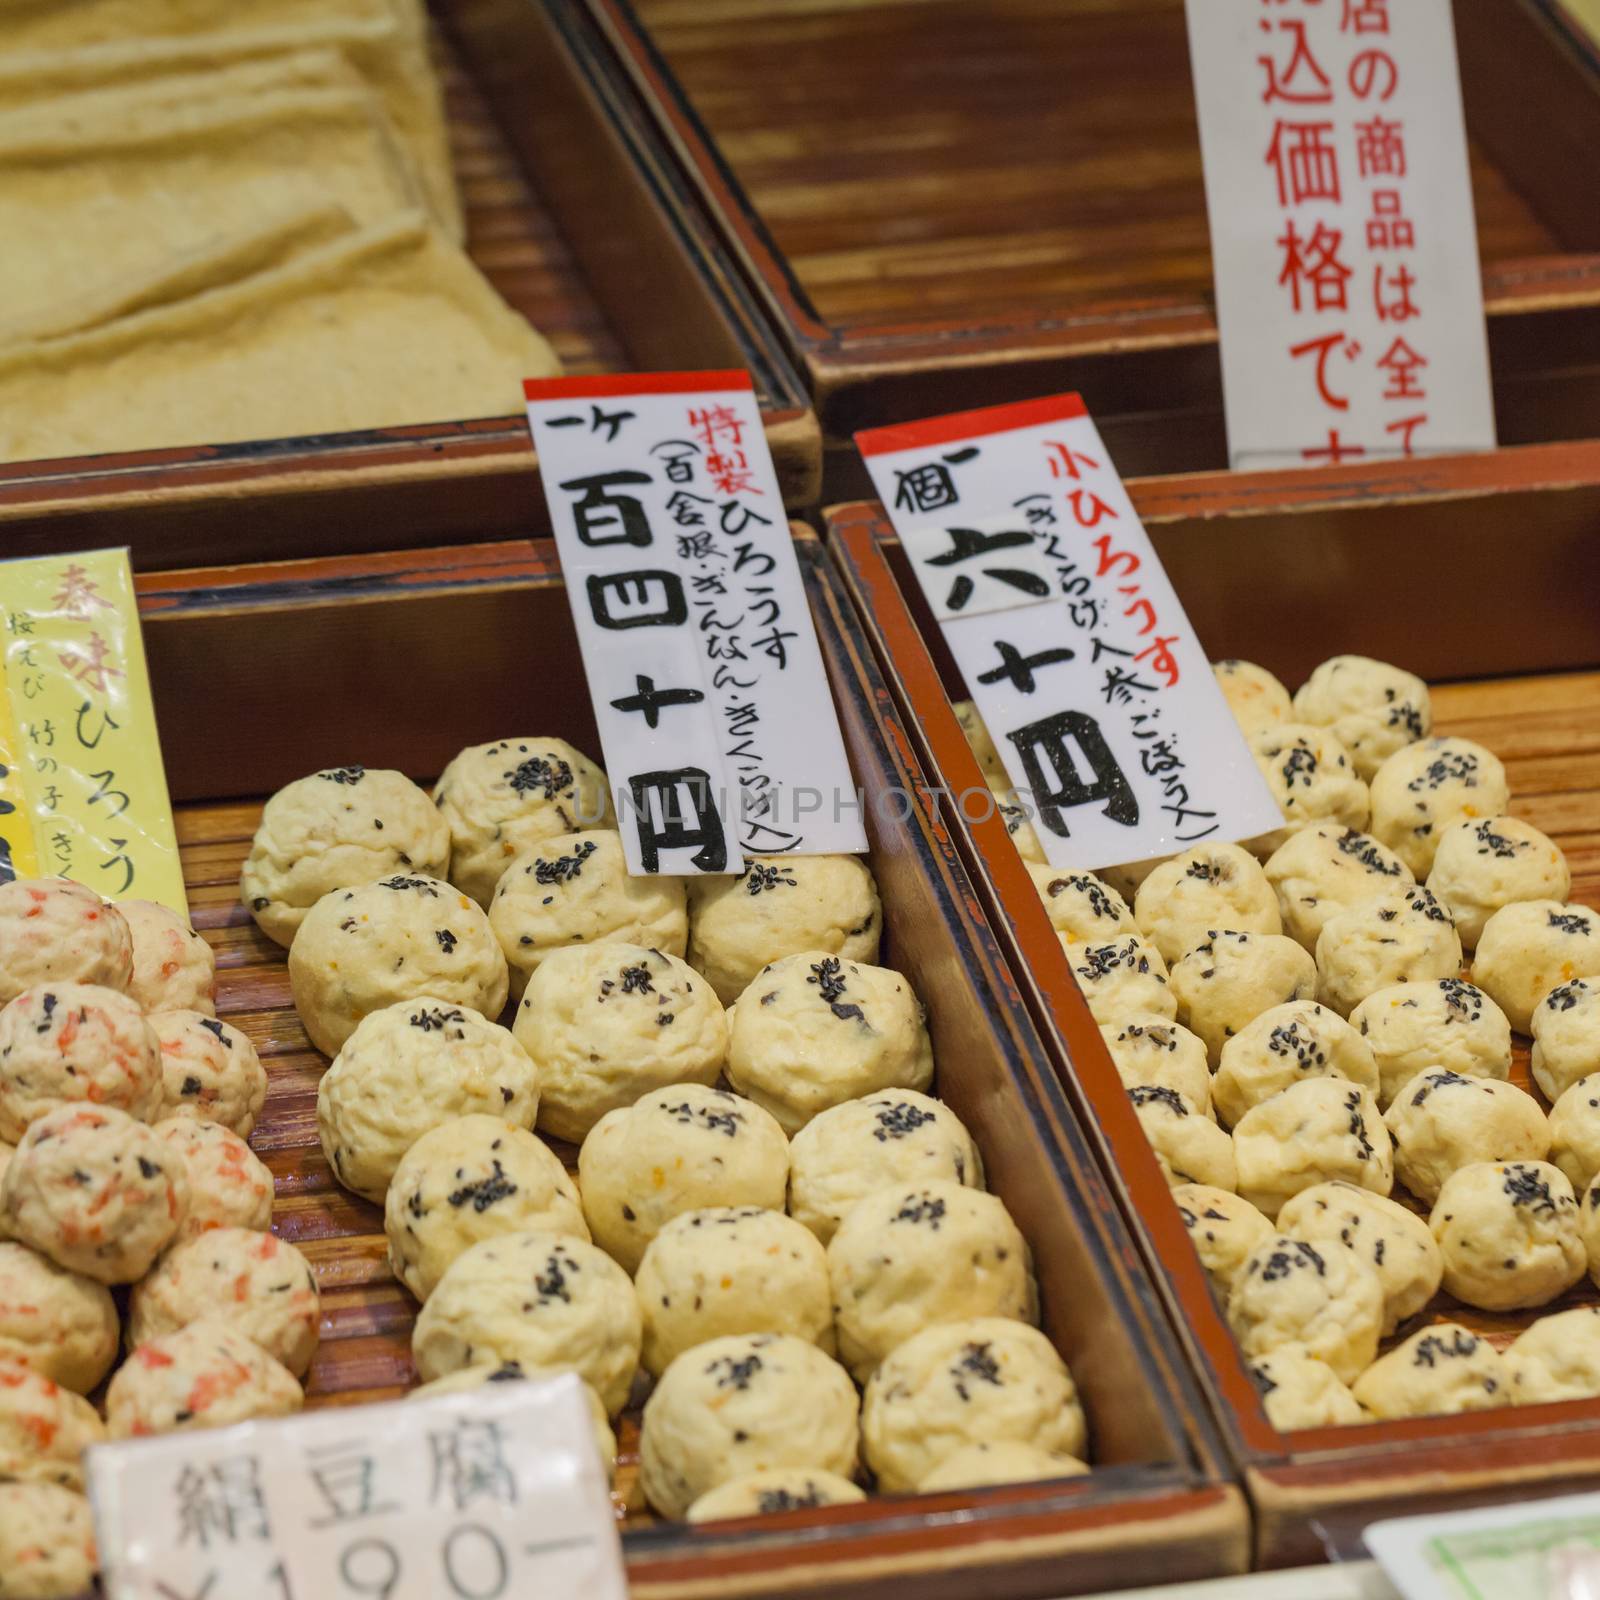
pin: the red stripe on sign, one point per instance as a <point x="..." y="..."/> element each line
<point x="605" y="385"/>
<point x="959" y="425"/>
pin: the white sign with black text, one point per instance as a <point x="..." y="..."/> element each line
<point x="1071" y="640"/>
<point x="491" y="1494"/>
<point x="719" y="731"/>
<point x="1343" y="244"/>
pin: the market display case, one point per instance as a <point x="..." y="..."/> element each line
<point x="262" y="674"/>
<point x="576" y="215"/>
<point x="1472" y="573"/>
<point x="940" y="214"/>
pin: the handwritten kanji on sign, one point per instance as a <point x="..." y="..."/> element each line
<point x="1342" y="232"/>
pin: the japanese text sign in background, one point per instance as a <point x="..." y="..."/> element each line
<point x="1342" y="237"/>
<point x="495" y="1494"/>
<point x="1071" y="640"/>
<point x="82" y="791"/>
<point x="719" y="732"/>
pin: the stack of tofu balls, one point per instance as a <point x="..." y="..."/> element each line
<point x="132" y="1212"/>
<point x="1316" y="1025"/>
<point x="770" y="1212"/>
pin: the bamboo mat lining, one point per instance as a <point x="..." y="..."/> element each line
<point x="924" y="158"/>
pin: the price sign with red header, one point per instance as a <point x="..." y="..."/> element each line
<point x="1342" y="236"/>
<point x="1071" y="640"/>
<point x="719" y="731"/>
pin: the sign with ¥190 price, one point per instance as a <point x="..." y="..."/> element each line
<point x="1345" y="254"/>
<point x="496" y="1493"/>
<point x="1083" y="666"/>
<point x="716" y="721"/>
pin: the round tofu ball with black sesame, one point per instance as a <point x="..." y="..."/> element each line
<point x="60" y="1324"/>
<point x="814" y="1030"/>
<point x="907" y="1257"/>
<point x="1566" y="1036"/>
<point x="895" y="1136"/>
<point x="1284" y="1045"/>
<point x="1299" y="1391"/>
<point x="1393" y="1241"/>
<point x="1429" y="786"/>
<point x="1322" y="870"/>
<point x="1575" y="1133"/>
<point x="1152" y="1052"/>
<point x="44" y="1429"/>
<point x="1441" y="1023"/>
<point x="746" y="1403"/>
<point x="1372" y="709"/>
<point x="983" y="1380"/>
<point x="47" y="1548"/>
<point x="97" y="1192"/>
<point x="1484" y="864"/>
<point x="977" y="1466"/>
<point x="1122" y="978"/>
<point x="1211" y="886"/>
<point x="64" y="1043"/>
<point x="256" y="1283"/>
<point x="500" y="799"/>
<point x="731" y="1269"/>
<point x="1509" y="1233"/>
<point x="1018" y="819"/>
<point x="1557" y="1358"/>
<point x="174" y="969"/>
<point x="362" y="949"/>
<point x="780" y="906"/>
<point x="337" y="829"/>
<point x="576" y="889"/>
<point x="1442" y="1121"/>
<point x="206" y="1374"/>
<point x="537" y="1299"/>
<point x="1311" y="776"/>
<point x="1188" y="1145"/>
<point x="1327" y="1304"/>
<point x="229" y="1184"/>
<point x="1398" y="936"/>
<point x="1223" y="1229"/>
<point x="980" y="742"/>
<point x="1081" y="907"/>
<point x="1315" y="1131"/>
<point x="1438" y="1371"/>
<point x="407" y="1069"/>
<point x="489" y="1372"/>
<point x="606" y="1024"/>
<point x="470" y="1180"/>
<point x="1224" y="983"/>
<point x="210" y="1071"/>
<point x="778" y="1489"/>
<point x="673" y="1150"/>
<point x="1256" y="698"/>
<point x="1531" y="947"/>
<point x="55" y="931"/>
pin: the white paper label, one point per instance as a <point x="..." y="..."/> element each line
<point x="719" y="731"/>
<point x="490" y="1494"/>
<point x="1532" y="1550"/>
<point x="1342" y="237"/>
<point x="1096" y="692"/>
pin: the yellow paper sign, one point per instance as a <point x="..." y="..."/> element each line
<point x="78" y="735"/>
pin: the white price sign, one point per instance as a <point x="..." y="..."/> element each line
<point x="719" y="731"/>
<point x="1071" y="640"/>
<point x="492" y="1494"/>
<point x="1342" y="237"/>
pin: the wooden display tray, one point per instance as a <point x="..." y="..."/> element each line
<point x="577" y="215"/>
<point x="1382" y="576"/>
<point x="945" y="207"/>
<point x="263" y="674"/>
